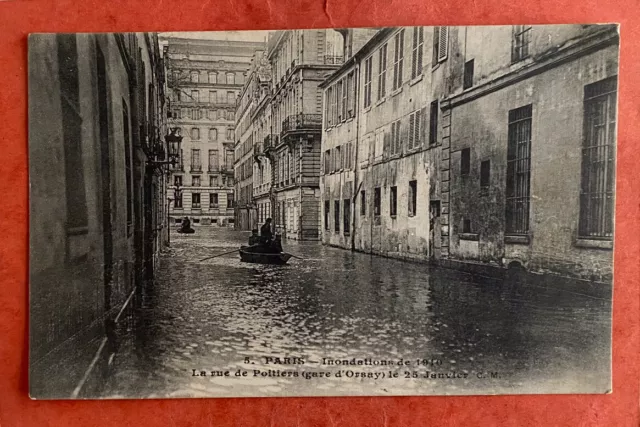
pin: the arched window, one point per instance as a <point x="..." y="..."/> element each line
<point x="194" y="77"/>
<point x="231" y="79"/>
<point x="213" y="134"/>
<point x="195" y="133"/>
<point x="213" y="77"/>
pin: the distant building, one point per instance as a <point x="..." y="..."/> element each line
<point x="246" y="212"/>
<point x="300" y="61"/>
<point x="97" y="197"/>
<point x="205" y="80"/>
<point x="475" y="147"/>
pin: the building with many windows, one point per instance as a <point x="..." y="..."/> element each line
<point x="476" y="147"/>
<point x="205" y="80"/>
<point x="300" y="60"/>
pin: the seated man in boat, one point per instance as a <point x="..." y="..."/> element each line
<point x="186" y="226"/>
<point x="265" y="233"/>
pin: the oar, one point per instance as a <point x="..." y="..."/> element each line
<point x="296" y="256"/>
<point x="226" y="253"/>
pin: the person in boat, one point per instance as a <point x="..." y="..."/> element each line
<point x="254" y="239"/>
<point x="276" y="245"/>
<point x="265" y="233"/>
<point x="186" y="226"/>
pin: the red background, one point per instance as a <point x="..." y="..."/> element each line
<point x="20" y="17"/>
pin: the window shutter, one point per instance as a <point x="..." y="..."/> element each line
<point x="443" y="44"/>
<point x="404" y="135"/>
<point x="387" y="142"/>
<point x="423" y="126"/>
<point x="420" y="49"/>
<point x="436" y="37"/>
<point x="414" y="55"/>
<point x="411" y="140"/>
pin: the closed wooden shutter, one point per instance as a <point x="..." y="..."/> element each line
<point x="443" y="43"/>
<point x="411" y="140"/>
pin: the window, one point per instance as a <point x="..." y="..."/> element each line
<point x="378" y="147"/>
<point x="230" y="116"/>
<point x="221" y="114"/>
<point x="518" y="170"/>
<point x="213" y="96"/>
<point x="177" y="180"/>
<point x="195" y="96"/>
<point x="194" y="77"/>
<point x="176" y="114"/>
<point x="417" y="51"/>
<point x="346" y="217"/>
<point x="213" y="78"/>
<point x="213" y="200"/>
<point x="195" y="134"/>
<point x="416" y="120"/>
<point x="230" y="134"/>
<point x="363" y="203"/>
<point x="466" y="225"/>
<point x="213" y="134"/>
<point x="195" y="160"/>
<point x="382" y="71"/>
<point x="396" y="142"/>
<point x="231" y="98"/>
<point x="398" y="60"/>
<point x="351" y="95"/>
<point x="214" y="164"/>
<point x="195" y="181"/>
<point x="327" y="161"/>
<point x="178" y="202"/>
<point x="230" y="201"/>
<point x="465" y="161"/>
<point x="327" y="107"/>
<point x="376" y="201"/>
<point x="214" y="181"/>
<point x="231" y="79"/>
<point x="413" y="197"/>
<point x="340" y="101"/>
<point x="336" y="216"/>
<point x="520" y="44"/>
<point x="343" y="84"/>
<point x="367" y="81"/>
<point x="194" y="114"/>
<point x="433" y="123"/>
<point x="485" y="173"/>
<point x="440" y="44"/>
<point x="598" y="154"/>
<point x="229" y="159"/>
<point x="468" y="74"/>
<point x="393" y="201"/>
<point x="195" y="200"/>
<point x="338" y="154"/>
<point x="326" y="215"/>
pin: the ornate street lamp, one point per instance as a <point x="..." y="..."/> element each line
<point x="173" y="140"/>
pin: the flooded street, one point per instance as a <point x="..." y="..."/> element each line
<point x="353" y="321"/>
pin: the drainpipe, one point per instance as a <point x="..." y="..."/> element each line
<point x="356" y="187"/>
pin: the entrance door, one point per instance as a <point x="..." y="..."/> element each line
<point x="434" y="229"/>
<point x="105" y="163"/>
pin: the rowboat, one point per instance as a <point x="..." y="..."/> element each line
<point x="257" y="255"/>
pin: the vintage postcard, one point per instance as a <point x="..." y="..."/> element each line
<point x="334" y="212"/>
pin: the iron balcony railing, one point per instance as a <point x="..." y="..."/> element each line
<point x="196" y="168"/>
<point x="302" y="122"/>
<point x="333" y="59"/>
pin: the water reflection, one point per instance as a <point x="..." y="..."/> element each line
<point x="336" y="304"/>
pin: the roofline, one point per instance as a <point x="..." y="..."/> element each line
<point x="362" y="52"/>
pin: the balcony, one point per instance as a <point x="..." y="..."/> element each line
<point x="302" y="123"/>
<point x="333" y="59"/>
<point x="213" y="169"/>
<point x="196" y="169"/>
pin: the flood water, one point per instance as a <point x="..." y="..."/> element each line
<point x="490" y="337"/>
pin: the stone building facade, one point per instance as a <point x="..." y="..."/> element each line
<point x="97" y="213"/>
<point x="476" y="147"/>
<point x="205" y="80"/>
<point x="530" y="147"/>
<point x="300" y="60"/>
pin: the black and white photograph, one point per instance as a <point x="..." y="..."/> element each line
<point x="397" y="211"/>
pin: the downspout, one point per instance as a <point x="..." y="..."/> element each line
<point x="356" y="186"/>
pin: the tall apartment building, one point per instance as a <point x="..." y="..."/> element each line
<point x="477" y="147"/>
<point x="246" y="213"/>
<point x="300" y="61"/>
<point x="205" y="80"/>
